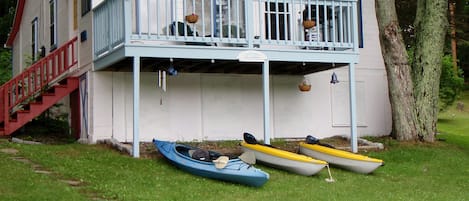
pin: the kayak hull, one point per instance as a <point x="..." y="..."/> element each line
<point x="235" y="170"/>
<point x="344" y="159"/>
<point x="284" y="160"/>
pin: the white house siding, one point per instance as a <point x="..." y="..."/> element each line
<point x="22" y="45"/>
<point x="372" y="71"/>
<point x="194" y="107"/>
<point x="64" y="21"/>
<point x="222" y="106"/>
<point x="100" y="103"/>
<point x="232" y="104"/>
<point x="17" y="54"/>
<point x="331" y="109"/>
<point x="85" y="64"/>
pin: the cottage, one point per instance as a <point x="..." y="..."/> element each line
<point x="134" y="70"/>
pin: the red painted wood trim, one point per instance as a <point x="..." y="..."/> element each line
<point x="16" y="23"/>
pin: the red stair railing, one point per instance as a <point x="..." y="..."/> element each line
<point x="36" y="78"/>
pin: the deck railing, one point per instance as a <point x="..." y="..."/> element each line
<point x="37" y="77"/>
<point x="234" y="23"/>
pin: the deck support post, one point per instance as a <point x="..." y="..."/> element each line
<point x="266" y="93"/>
<point x="353" y="115"/>
<point x="136" y="112"/>
<point x="259" y="57"/>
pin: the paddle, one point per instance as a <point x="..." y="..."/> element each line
<point x="248" y="157"/>
<point x="221" y="162"/>
<point x="330" y="179"/>
<point x="312" y="140"/>
<point x="249" y="138"/>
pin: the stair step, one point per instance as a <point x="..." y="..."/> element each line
<point x="56" y="88"/>
<point x="36" y="103"/>
<point x="64" y="81"/>
<point x="60" y="86"/>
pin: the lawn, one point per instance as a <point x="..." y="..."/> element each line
<point x="438" y="171"/>
<point x="453" y="125"/>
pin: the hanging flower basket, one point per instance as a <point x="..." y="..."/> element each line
<point x="192" y="18"/>
<point x="308" y="24"/>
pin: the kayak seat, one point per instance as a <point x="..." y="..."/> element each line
<point x="201" y="155"/>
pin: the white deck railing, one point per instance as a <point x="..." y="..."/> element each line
<point x="239" y="23"/>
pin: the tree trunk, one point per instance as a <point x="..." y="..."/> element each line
<point x="430" y="25"/>
<point x="398" y="72"/>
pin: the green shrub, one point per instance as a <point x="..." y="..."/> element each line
<point x="5" y="65"/>
<point x="451" y="83"/>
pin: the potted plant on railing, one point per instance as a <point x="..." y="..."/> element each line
<point x="192" y="18"/>
<point x="308" y="23"/>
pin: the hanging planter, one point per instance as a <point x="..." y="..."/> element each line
<point x="192" y="18"/>
<point x="304" y="86"/>
<point x="308" y="24"/>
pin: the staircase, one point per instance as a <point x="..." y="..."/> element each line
<point x="39" y="87"/>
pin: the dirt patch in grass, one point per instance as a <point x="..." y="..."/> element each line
<point x="50" y="138"/>
<point x="233" y="148"/>
<point x="230" y="148"/>
<point x="9" y="151"/>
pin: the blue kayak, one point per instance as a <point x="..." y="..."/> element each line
<point x="234" y="170"/>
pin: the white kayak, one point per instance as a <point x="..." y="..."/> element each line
<point x="281" y="159"/>
<point x="344" y="159"/>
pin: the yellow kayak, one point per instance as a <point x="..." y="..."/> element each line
<point x="293" y="162"/>
<point x="347" y="160"/>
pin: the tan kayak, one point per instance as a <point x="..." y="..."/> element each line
<point x="347" y="160"/>
<point x="281" y="159"/>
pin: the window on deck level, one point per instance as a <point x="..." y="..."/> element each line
<point x="277" y="21"/>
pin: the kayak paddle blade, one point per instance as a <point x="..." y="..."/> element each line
<point x="248" y="157"/>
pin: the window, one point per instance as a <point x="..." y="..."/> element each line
<point x="360" y="24"/>
<point x="85" y="7"/>
<point x="277" y="21"/>
<point x="34" y="39"/>
<point x="53" y="23"/>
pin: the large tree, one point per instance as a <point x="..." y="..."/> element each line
<point x="413" y="82"/>
<point x="398" y="70"/>
<point x="430" y="29"/>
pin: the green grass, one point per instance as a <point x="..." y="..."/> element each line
<point x="19" y="182"/>
<point x="438" y="171"/>
<point x="426" y="172"/>
<point x="453" y="124"/>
